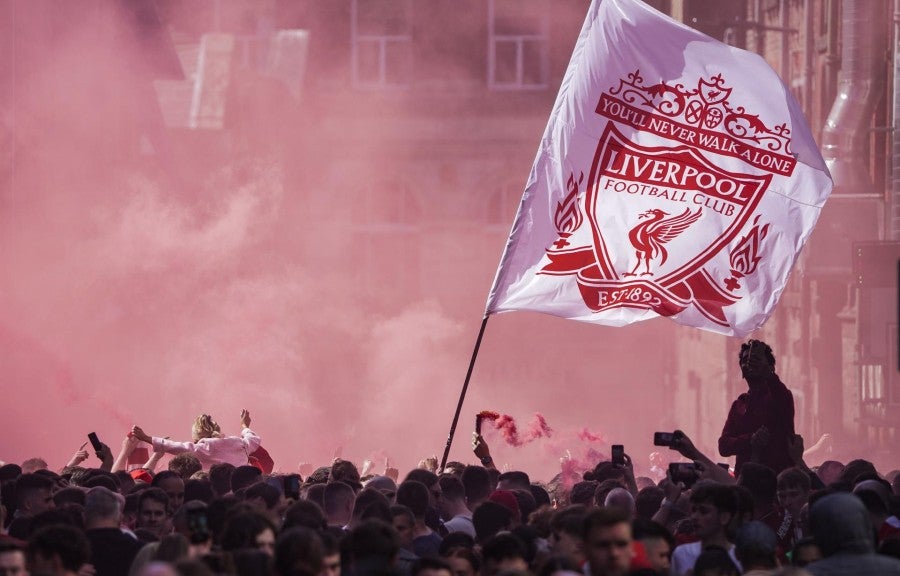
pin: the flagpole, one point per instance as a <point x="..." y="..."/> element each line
<point x="462" y="394"/>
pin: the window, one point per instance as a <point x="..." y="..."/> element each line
<point x="517" y="44"/>
<point x="381" y="33"/>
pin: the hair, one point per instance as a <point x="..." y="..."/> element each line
<point x="760" y="480"/>
<point x="423" y="564"/>
<point x="648" y="529"/>
<point x="517" y="477"/>
<point x="268" y="493"/>
<point x="366" y="498"/>
<point x="198" y="490"/>
<point x="204" y="427"/>
<point x="541" y="497"/>
<point x="336" y="496"/>
<point x="70" y="495"/>
<point x="103" y="504"/>
<point x="162" y="476"/>
<point x="316" y="494"/>
<point x="794" y="478"/>
<point x="401" y="510"/>
<point x="29" y="484"/>
<point x="604" y="471"/>
<point x="414" y="494"/>
<point x="452" y="487"/>
<point x="455" y="540"/>
<point x="648" y="501"/>
<point x="856" y="468"/>
<point x="242" y="528"/>
<point x="33" y="465"/>
<point x="373" y="544"/>
<point x="345" y="471"/>
<point x="720" y="496"/>
<point x="477" y="483"/>
<point x="503" y="547"/>
<point x="526" y="503"/>
<point x="605" y="488"/>
<point x="305" y="513"/>
<point x="490" y="518"/>
<point x="745" y="348"/>
<point x="298" y="552"/>
<point x="583" y="492"/>
<point x="67" y="543"/>
<point x="243" y="476"/>
<point x="465" y="552"/>
<point x="569" y="520"/>
<point x="603" y="518"/>
<point x="220" y="477"/>
<point x="155" y="494"/>
<point x="426" y="477"/>
<point x="108" y="481"/>
<point x="714" y="560"/>
<point x="185" y="465"/>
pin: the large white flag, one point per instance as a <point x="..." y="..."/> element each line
<point x="677" y="177"/>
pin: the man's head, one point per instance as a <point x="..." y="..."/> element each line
<point x="12" y="559"/>
<point x="477" y="483"/>
<point x="793" y="490"/>
<point x="503" y="553"/>
<point x="345" y="471"/>
<point x="756" y="360"/>
<point x="756" y="546"/>
<point x="566" y="539"/>
<point x="658" y="544"/>
<point x="490" y="518"/>
<point x="220" y="478"/>
<point x="372" y="547"/>
<point x="806" y="551"/>
<point x="431" y="567"/>
<point x="153" y="511"/>
<point x="338" y="502"/>
<point x="185" y="465"/>
<point x="453" y="500"/>
<point x="404" y="522"/>
<point x="33" y="465"/>
<point x="172" y="484"/>
<point x="713" y="507"/>
<point x="620" y="498"/>
<point x="430" y="480"/>
<point x="103" y="508"/>
<point x="514" y="480"/>
<point x="58" y="550"/>
<point x="606" y="538"/>
<point x="244" y="476"/>
<point x="33" y="494"/>
<point x="415" y="496"/>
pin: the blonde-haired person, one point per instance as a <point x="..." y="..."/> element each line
<point x="209" y="444"/>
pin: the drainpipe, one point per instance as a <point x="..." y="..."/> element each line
<point x="845" y="137"/>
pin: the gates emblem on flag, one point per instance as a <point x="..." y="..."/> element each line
<point x="652" y="218"/>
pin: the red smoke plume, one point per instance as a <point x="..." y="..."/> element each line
<point x="506" y="424"/>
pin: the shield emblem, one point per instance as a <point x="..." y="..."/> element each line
<point x="659" y="220"/>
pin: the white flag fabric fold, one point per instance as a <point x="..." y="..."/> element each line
<point x="676" y="177"/>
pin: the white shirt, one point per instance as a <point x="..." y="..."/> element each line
<point x="685" y="556"/>
<point x="234" y="450"/>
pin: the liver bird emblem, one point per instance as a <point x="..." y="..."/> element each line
<point x="650" y="237"/>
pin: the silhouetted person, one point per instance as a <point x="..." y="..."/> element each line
<point x="760" y="424"/>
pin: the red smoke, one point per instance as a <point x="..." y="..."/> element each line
<point x="588" y="436"/>
<point x="506" y="424"/>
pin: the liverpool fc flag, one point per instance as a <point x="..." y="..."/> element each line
<point x="676" y="177"/>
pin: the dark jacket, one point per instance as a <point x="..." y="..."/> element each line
<point x="842" y="529"/>
<point x="112" y="551"/>
<point x="773" y="407"/>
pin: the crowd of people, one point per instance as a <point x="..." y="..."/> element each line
<point x="219" y="509"/>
